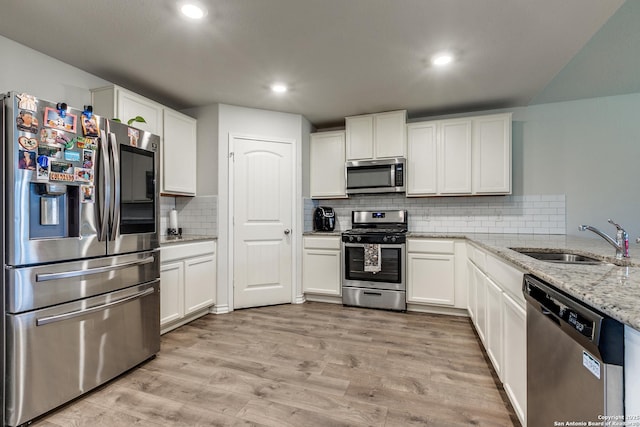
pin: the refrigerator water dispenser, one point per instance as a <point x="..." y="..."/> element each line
<point x="53" y="211"/>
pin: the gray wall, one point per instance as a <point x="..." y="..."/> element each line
<point x="588" y="150"/>
<point x="26" y="70"/>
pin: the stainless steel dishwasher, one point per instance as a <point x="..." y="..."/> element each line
<point x="575" y="358"/>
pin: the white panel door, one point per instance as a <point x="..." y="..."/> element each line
<point x="263" y="174"/>
<point x="422" y="159"/>
<point x="179" y="153"/>
<point x="131" y="105"/>
<point x="492" y="154"/>
<point x="199" y="283"/>
<point x="327" y="159"/>
<point x="515" y="356"/>
<point x="389" y="134"/>
<point x="171" y="292"/>
<point x="431" y="279"/>
<point x="454" y="171"/>
<point x="481" y="304"/>
<point x="359" y="137"/>
<point x="493" y="320"/>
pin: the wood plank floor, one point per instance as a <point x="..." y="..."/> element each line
<point x="305" y="365"/>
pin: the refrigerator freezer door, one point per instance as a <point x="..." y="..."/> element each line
<point x="32" y="288"/>
<point x="32" y="238"/>
<point x="64" y="351"/>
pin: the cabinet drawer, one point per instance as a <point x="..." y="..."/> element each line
<point x="324" y="242"/>
<point x="507" y="277"/>
<point x="430" y="246"/>
<point x="186" y="250"/>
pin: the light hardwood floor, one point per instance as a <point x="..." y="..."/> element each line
<point x="305" y="365"/>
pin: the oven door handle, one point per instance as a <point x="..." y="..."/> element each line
<point x="382" y="245"/>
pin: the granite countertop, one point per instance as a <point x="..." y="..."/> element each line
<point x="612" y="289"/>
<point x="186" y="238"/>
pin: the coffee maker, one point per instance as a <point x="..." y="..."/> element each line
<point x="324" y="219"/>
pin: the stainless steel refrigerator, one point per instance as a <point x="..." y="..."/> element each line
<point x="80" y="252"/>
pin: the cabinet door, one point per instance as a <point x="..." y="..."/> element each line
<point x="171" y="292"/>
<point x="492" y="154"/>
<point x="430" y="279"/>
<point x="481" y="304"/>
<point x="131" y="105"/>
<point x="515" y="356"/>
<point x="454" y="159"/>
<point x="493" y="334"/>
<point x="179" y="154"/>
<point x="389" y="134"/>
<point x="327" y="160"/>
<point x="321" y="273"/>
<point x="199" y="283"/>
<point x="471" y="291"/>
<point x="422" y="178"/>
<point x="359" y="137"/>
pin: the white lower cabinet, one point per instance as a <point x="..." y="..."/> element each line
<point x="171" y="292"/>
<point x="493" y="337"/>
<point x="471" y="291"/>
<point x="514" y="371"/>
<point x="431" y="272"/>
<point x="321" y="265"/>
<point x="187" y="282"/>
<point x="500" y="319"/>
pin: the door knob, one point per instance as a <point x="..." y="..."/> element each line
<point x="287" y="231"/>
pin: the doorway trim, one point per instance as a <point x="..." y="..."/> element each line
<point x="296" y="236"/>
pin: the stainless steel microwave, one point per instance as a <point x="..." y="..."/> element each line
<point x="376" y="176"/>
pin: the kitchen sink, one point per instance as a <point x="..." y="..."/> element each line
<point x="560" y="257"/>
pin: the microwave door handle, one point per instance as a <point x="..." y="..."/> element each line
<point x="392" y="171"/>
<point x="104" y="198"/>
<point x="115" y="220"/>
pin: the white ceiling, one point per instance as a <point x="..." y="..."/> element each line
<point x="340" y="57"/>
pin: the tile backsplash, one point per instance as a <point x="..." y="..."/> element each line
<point x="531" y="214"/>
<point x="196" y="215"/>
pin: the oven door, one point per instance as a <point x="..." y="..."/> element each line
<point x="390" y="277"/>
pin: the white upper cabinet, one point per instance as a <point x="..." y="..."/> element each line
<point x="454" y="152"/>
<point x="177" y="134"/>
<point x="459" y="156"/>
<point x="374" y="136"/>
<point x="179" y="154"/>
<point x="492" y="154"/>
<point x="327" y="155"/>
<point x="422" y="160"/>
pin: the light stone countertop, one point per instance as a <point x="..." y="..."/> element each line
<point x="612" y="289"/>
<point x="186" y="238"/>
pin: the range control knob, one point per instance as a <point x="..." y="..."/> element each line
<point x="385" y="238"/>
<point x="393" y="239"/>
<point x="359" y="238"/>
<point x="351" y="238"/>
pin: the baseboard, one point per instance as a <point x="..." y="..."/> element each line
<point x="220" y="309"/>
<point x="434" y="309"/>
<point x="323" y="298"/>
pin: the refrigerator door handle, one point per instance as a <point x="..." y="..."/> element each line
<point x="70" y="315"/>
<point x="115" y="220"/>
<point x="45" y="277"/>
<point x="106" y="188"/>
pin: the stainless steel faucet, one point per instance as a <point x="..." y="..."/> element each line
<point x="621" y="242"/>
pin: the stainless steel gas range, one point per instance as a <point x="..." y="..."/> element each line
<point x="373" y="260"/>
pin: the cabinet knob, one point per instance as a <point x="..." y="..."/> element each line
<point x="287" y="231"/>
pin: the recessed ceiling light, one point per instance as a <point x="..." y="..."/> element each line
<point x="193" y="11"/>
<point x="442" y="59"/>
<point x="279" y="87"/>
